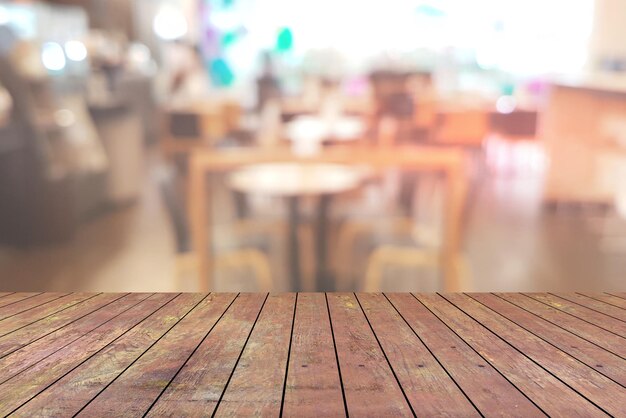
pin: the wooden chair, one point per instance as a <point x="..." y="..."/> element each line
<point x="388" y="255"/>
<point x="405" y="226"/>
<point x="246" y="259"/>
<point x="197" y="125"/>
<point x="408" y="258"/>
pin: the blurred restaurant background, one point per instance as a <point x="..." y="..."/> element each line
<point x="252" y="145"/>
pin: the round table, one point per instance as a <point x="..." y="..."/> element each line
<point x="293" y="181"/>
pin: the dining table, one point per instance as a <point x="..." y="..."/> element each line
<point x="312" y="354"/>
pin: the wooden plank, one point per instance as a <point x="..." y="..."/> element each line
<point x="426" y="385"/>
<point x="369" y="384"/>
<point x="69" y="325"/>
<point x="69" y="394"/>
<point x="593" y="356"/>
<point x="28" y="303"/>
<point x="595" y="305"/>
<point x="256" y="386"/>
<point x="23" y="386"/>
<point x="313" y="385"/>
<point x="595" y="387"/>
<point x="546" y="391"/>
<point x="134" y="391"/>
<point x="197" y="388"/>
<point x="608" y="299"/>
<point x="484" y="385"/>
<point x="31" y="316"/>
<point x="3" y="294"/>
<point x="598" y="319"/>
<point x="16" y="297"/>
<point x="589" y="332"/>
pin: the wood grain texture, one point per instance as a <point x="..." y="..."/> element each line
<point x="197" y="388"/>
<point x="40" y="312"/>
<point x="313" y="385"/>
<point x="597" y="388"/>
<point x="16" y="297"/>
<point x="547" y="392"/>
<point x="256" y="386"/>
<point x="28" y="383"/>
<point x="75" y="389"/>
<point x="492" y="394"/>
<point x="46" y="326"/>
<point x="369" y="385"/>
<point x="18" y="359"/>
<point x="134" y="391"/>
<point x="583" y="329"/>
<point x="24" y="305"/>
<point x="594" y="304"/>
<point x="593" y="356"/>
<point x="608" y="299"/>
<point x="3" y="294"/>
<point x="428" y="387"/>
<point x="311" y="354"/>
<point x="598" y="319"/>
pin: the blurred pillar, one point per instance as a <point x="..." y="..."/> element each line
<point x="608" y="32"/>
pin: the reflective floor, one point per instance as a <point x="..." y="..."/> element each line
<point x="512" y="244"/>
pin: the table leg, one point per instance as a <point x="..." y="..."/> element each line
<point x="323" y="282"/>
<point x="294" y="247"/>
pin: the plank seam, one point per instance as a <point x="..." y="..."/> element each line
<point x="406" y="398"/>
<point x="559" y="326"/>
<point x="434" y="356"/>
<point x="572" y="315"/>
<point x="529" y="358"/>
<point x="232" y="372"/>
<point x="91" y="356"/>
<point x="61" y="348"/>
<point x="32" y="307"/>
<point x="146" y="350"/>
<point x="53" y="313"/>
<point x="8" y="294"/>
<point x="190" y="355"/>
<point x="293" y="321"/>
<point x="332" y="333"/>
<point x="546" y="341"/>
<point x="480" y="355"/>
<point x="21" y="300"/>
<point x="69" y="323"/>
<point x="587" y="307"/>
<point x="602" y="301"/>
<point x="616" y="295"/>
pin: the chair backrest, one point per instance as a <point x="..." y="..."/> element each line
<point x="462" y="127"/>
<point x="175" y="209"/>
<point x="183" y="125"/>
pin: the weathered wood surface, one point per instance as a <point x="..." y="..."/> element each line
<point x="312" y="354"/>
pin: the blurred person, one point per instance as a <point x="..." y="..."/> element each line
<point x="188" y="79"/>
<point x="268" y="86"/>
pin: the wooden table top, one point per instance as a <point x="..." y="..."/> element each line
<point x="312" y="354"/>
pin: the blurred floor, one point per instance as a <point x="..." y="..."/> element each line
<point x="128" y="249"/>
<point x="511" y="245"/>
<point x="514" y="245"/>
